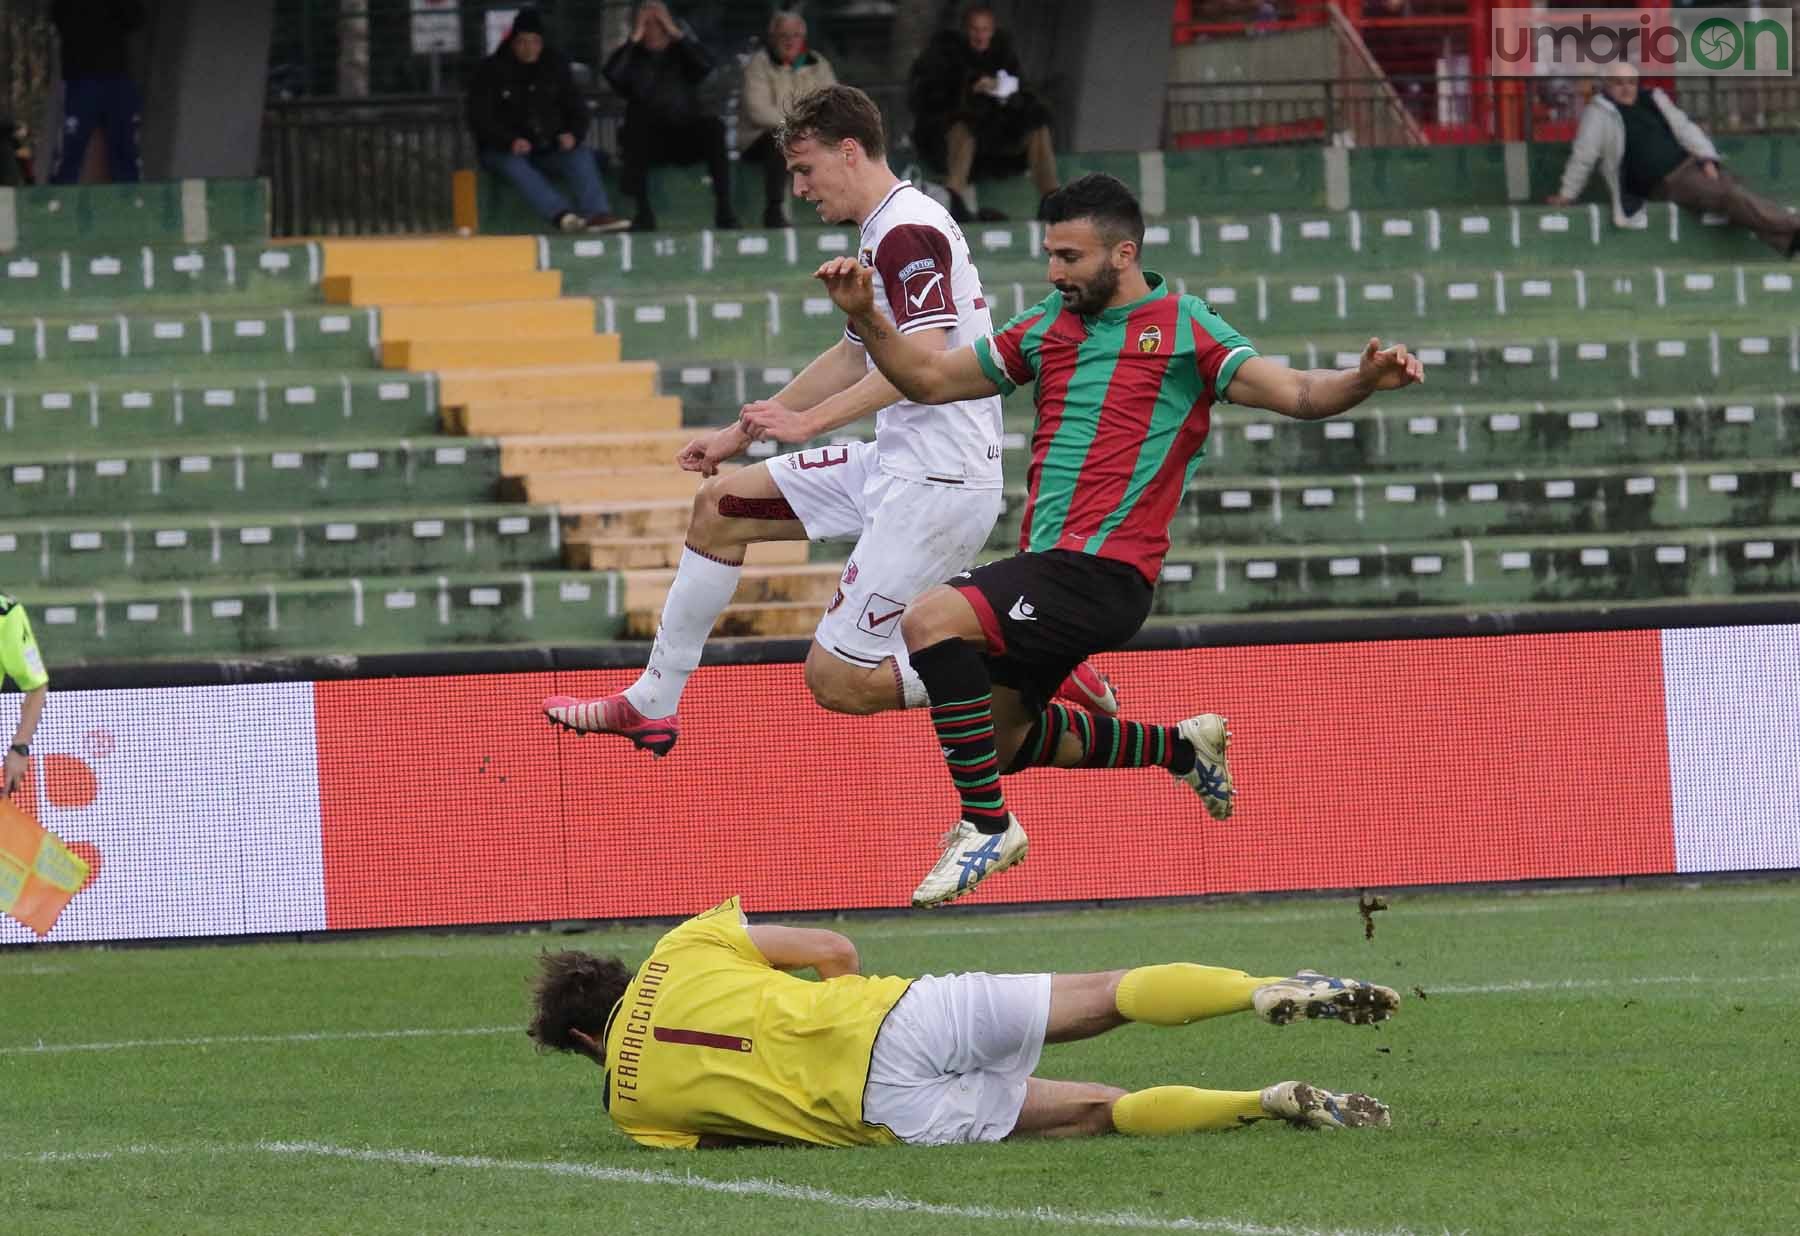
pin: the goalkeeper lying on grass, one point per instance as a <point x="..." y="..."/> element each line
<point x="709" y="1044"/>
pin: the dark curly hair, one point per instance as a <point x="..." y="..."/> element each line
<point x="574" y="991"/>
<point x="1102" y="199"/>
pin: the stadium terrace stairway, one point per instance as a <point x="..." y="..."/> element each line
<point x="232" y="446"/>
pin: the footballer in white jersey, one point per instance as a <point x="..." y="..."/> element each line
<point x="919" y="501"/>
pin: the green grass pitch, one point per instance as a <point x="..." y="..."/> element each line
<point x="1579" y="1061"/>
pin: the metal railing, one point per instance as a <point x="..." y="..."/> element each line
<point x="382" y="166"/>
<point x="1449" y="110"/>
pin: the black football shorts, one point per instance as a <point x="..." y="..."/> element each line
<point x="1045" y="613"/>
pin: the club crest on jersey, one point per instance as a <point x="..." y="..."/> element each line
<point x="866" y="257"/>
<point x="1150" y="339"/>
<point x="850" y="573"/>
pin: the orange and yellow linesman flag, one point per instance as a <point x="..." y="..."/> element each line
<point x="38" y="873"/>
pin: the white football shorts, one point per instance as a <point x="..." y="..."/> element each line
<point x="952" y="1059"/>
<point x="909" y="536"/>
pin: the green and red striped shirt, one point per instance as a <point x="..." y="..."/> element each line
<point x="1124" y="403"/>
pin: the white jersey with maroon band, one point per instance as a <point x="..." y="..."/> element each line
<point x="925" y="279"/>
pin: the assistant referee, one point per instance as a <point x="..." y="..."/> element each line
<point x="21" y="662"/>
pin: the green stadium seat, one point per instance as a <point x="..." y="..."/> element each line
<point x="1492" y="572"/>
<point x="363" y="614"/>
<point x="281" y="476"/>
<point x="279" y="544"/>
<point x="149" y="408"/>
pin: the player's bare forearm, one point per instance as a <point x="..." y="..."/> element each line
<point x="868" y="396"/>
<point x="924" y="374"/>
<point x="833" y="371"/>
<point x="1319" y="393"/>
<point x="1313" y="394"/>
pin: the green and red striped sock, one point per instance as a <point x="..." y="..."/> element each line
<point x="962" y="713"/>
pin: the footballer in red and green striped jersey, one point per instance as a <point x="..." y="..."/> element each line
<point x="1124" y="403"/>
<point x="1126" y="375"/>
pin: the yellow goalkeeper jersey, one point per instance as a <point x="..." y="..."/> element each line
<point x="711" y="1039"/>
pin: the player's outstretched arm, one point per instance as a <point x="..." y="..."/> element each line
<point x="923" y="374"/>
<point x="1313" y="394"/>
<point x="796" y="948"/>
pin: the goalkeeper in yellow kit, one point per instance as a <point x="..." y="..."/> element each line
<point x="711" y="1044"/>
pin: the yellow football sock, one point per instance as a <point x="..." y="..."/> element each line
<point x="1179" y="992"/>
<point x="1163" y="1110"/>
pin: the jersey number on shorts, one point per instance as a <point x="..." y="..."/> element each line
<point x="822" y="458"/>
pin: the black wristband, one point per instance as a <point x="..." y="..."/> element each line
<point x="21" y="748"/>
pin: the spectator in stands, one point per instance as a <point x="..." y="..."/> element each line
<point x="779" y="72"/>
<point x="658" y="73"/>
<point x="972" y="118"/>
<point x="530" y="119"/>
<point x="15" y="153"/>
<point x="710" y="1045"/>
<point x="98" y="92"/>
<point x="20" y="661"/>
<point x="1647" y="148"/>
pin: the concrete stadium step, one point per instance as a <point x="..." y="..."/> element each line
<point x="43" y="348"/>
<point x="1487" y="572"/>
<point x="645" y="414"/>
<point x="130" y="276"/>
<point x="652" y="517"/>
<point x="558" y="383"/>
<point x="645" y="591"/>
<point x="222" y="476"/>
<point x="361" y="614"/>
<point x="430" y="255"/>
<point x="763" y="620"/>
<point x="118" y="411"/>
<point x="579" y="486"/>
<point x="441" y="288"/>
<point x="585" y="349"/>
<point x="1399" y="433"/>
<point x="535" y="453"/>
<point x="642" y="553"/>
<point x="279" y="544"/>
<point x="487" y="321"/>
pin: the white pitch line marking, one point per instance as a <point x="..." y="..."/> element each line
<point x="758" y="1186"/>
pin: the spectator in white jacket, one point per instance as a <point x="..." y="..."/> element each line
<point x="779" y="72"/>
<point x="1648" y="149"/>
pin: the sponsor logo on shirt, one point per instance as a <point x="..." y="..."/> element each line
<point x="924" y="291"/>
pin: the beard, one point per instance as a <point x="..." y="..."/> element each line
<point x="1090" y="298"/>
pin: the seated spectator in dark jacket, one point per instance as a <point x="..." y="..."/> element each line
<point x="98" y="93"/>
<point x="529" y="118"/>
<point x="779" y="72"/>
<point x="658" y="74"/>
<point x="971" y="117"/>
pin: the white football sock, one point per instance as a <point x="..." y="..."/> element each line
<point x="702" y="589"/>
